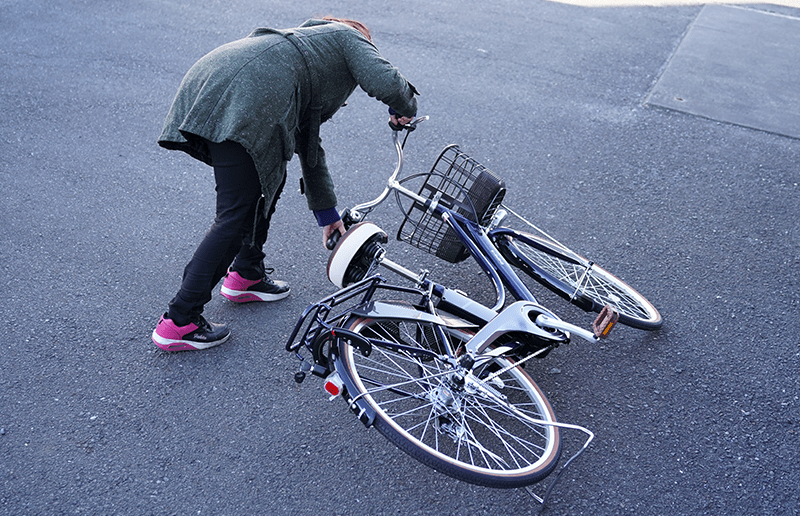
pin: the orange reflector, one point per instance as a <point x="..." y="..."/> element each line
<point x="605" y="321"/>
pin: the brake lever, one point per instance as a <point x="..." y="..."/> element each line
<point x="413" y="123"/>
<point x="411" y="126"/>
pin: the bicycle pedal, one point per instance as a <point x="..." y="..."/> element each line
<point x="605" y="321"/>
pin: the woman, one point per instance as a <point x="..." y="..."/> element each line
<point x="246" y="108"/>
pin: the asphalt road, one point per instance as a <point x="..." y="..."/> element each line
<point x="97" y="222"/>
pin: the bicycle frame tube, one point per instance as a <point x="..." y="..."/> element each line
<point x="488" y="257"/>
<point x="473" y="237"/>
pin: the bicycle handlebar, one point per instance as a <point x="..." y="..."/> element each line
<point x="354" y="215"/>
<point x="411" y="126"/>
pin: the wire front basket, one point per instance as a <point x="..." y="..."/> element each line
<point x="464" y="186"/>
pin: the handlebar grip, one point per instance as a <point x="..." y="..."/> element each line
<point x="399" y="127"/>
<point x="333" y="240"/>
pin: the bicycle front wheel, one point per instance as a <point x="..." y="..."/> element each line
<point x="491" y="429"/>
<point x="567" y="274"/>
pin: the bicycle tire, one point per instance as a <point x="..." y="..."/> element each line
<point x="554" y="268"/>
<point x="470" y="437"/>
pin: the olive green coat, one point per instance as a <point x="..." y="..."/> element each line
<point x="266" y="95"/>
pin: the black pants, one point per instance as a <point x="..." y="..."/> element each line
<point x="236" y="238"/>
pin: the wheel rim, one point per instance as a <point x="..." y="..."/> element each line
<point x="463" y="426"/>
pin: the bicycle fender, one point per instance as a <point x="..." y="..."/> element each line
<point x="358" y="406"/>
<point x="396" y="310"/>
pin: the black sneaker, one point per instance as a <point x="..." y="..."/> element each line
<point x="199" y="334"/>
<point x="241" y="290"/>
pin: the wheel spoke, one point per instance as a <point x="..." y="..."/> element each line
<point x="419" y="401"/>
<point x="585" y="279"/>
<point x="504" y="435"/>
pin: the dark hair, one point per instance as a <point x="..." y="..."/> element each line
<point x="360" y="27"/>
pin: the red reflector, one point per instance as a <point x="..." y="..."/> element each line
<point x="332" y="388"/>
<point x="333" y="384"/>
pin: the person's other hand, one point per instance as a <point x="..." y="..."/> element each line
<point x="329" y="230"/>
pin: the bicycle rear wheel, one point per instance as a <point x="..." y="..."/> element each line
<point x="490" y="429"/>
<point x="564" y="272"/>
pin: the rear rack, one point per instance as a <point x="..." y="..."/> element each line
<point x="322" y="316"/>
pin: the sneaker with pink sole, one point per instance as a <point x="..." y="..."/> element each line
<point x="241" y="290"/>
<point x="199" y="334"/>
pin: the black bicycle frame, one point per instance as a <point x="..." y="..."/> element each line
<point x="483" y="250"/>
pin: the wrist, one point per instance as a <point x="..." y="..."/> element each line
<point x="326" y="217"/>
